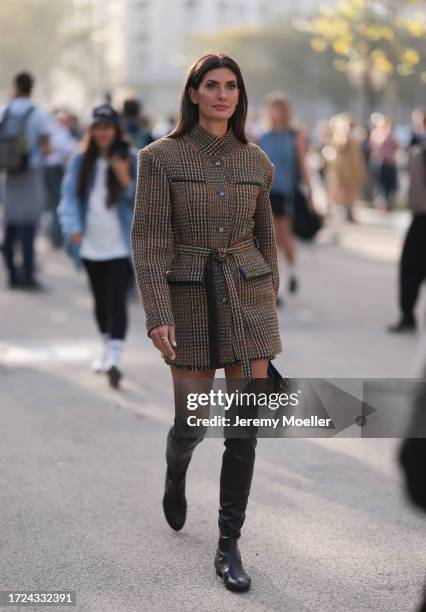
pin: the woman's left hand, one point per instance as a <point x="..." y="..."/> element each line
<point x="121" y="168"/>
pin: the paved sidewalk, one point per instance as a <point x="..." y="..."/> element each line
<point x="82" y="467"/>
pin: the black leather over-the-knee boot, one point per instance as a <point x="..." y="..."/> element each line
<point x="235" y="483"/>
<point x="178" y="455"/>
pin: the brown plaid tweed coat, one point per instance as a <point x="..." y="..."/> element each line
<point x="204" y="249"/>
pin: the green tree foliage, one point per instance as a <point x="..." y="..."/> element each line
<point x="375" y="42"/>
<point x="48" y="37"/>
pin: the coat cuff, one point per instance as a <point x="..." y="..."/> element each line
<point x="155" y="320"/>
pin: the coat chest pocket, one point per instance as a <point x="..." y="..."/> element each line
<point x="247" y="192"/>
<point x="186" y="190"/>
<point x="187" y="180"/>
<point x="186" y="270"/>
<point x="249" y="189"/>
<point x="256" y="183"/>
<point x="248" y="174"/>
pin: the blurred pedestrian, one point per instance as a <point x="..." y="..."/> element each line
<point x="62" y="145"/>
<point x="135" y="126"/>
<point x="322" y="135"/>
<point x="417" y="122"/>
<point x="74" y="126"/>
<point x="286" y="149"/>
<point x="96" y="212"/>
<point x="206" y="265"/>
<point x="383" y="149"/>
<point x="412" y="453"/>
<point x="163" y="127"/>
<point x="412" y="267"/>
<point x="346" y="168"/>
<point x="24" y="144"/>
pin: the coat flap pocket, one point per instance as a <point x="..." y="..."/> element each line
<point x="186" y="270"/>
<point x="178" y="179"/>
<point x="252" y="264"/>
<point x="256" y="183"/>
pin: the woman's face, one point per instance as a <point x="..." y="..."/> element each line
<point x="217" y="95"/>
<point x="103" y="134"/>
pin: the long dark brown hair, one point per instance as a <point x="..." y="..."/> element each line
<point x="90" y="155"/>
<point x="188" y="115"/>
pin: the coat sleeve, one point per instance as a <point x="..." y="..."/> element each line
<point x="152" y="240"/>
<point x="69" y="213"/>
<point x="263" y="228"/>
<point x="129" y="192"/>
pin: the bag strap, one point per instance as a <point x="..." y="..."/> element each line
<point x="294" y="134"/>
<point x="5" y="115"/>
<point x="23" y="120"/>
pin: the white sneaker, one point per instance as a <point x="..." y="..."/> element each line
<point x="101" y="365"/>
<point x="114" y="354"/>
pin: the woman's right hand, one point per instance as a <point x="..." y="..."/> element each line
<point x="76" y="238"/>
<point x="164" y="338"/>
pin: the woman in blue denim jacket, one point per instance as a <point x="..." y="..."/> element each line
<point x="96" y="213"/>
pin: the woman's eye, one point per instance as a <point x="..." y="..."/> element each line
<point x="229" y="85"/>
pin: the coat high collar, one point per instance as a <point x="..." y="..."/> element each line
<point x="210" y="144"/>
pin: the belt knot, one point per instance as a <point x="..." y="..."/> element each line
<point x="220" y="254"/>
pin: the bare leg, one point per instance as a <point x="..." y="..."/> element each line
<point x="190" y="381"/>
<point x="285" y="240"/>
<point x="284" y="237"/>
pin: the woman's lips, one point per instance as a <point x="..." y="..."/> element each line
<point x="220" y="107"/>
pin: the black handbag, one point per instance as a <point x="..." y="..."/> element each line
<point x="307" y="223"/>
<point x="276" y="382"/>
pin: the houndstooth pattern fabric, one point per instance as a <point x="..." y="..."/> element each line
<point x="196" y="193"/>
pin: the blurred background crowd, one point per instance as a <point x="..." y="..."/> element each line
<point x="337" y="99"/>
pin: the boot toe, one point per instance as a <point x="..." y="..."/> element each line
<point x="236" y="583"/>
<point x="229" y="567"/>
<point x="174" y="502"/>
<point x="175" y="514"/>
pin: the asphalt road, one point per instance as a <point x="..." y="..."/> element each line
<point x="82" y="468"/>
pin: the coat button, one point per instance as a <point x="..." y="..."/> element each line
<point x="221" y="230"/>
<point x="222" y="193"/>
<point x="217" y="162"/>
<point x="225" y="300"/>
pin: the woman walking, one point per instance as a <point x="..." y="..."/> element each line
<point x="205" y="260"/>
<point x="285" y="147"/>
<point x="346" y="170"/>
<point x="96" y="213"/>
<point x="383" y="155"/>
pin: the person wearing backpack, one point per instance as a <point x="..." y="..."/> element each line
<point x="135" y="125"/>
<point x="24" y="143"/>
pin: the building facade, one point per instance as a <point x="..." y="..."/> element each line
<point x="157" y="32"/>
